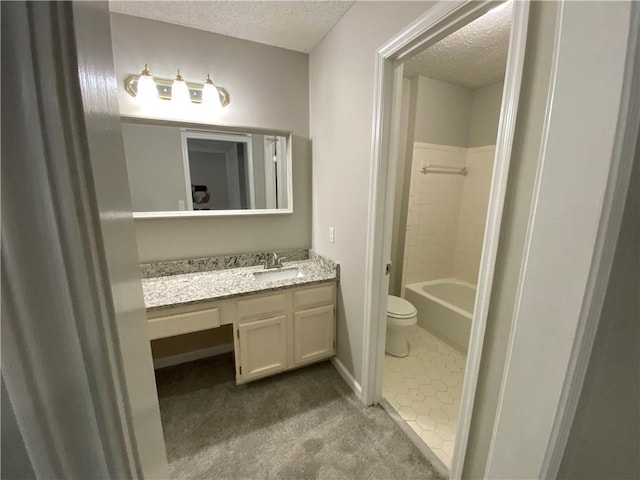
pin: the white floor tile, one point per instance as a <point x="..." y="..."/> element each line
<point x="425" y="388"/>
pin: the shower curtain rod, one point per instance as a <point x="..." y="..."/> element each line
<point x="428" y="168"/>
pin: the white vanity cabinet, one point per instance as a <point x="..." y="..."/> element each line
<point x="284" y="330"/>
<point x="314" y="333"/>
<point x="272" y="332"/>
<point x="261" y="342"/>
<point x="262" y="348"/>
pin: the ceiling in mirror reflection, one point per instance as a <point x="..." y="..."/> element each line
<point x="179" y="170"/>
<point x="473" y="56"/>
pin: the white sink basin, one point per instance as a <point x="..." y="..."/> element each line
<point x="279" y="274"/>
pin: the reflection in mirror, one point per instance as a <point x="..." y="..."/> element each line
<point x="176" y="171"/>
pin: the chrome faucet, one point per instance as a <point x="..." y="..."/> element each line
<point x="276" y="262"/>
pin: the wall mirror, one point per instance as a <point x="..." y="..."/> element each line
<point x="182" y="169"/>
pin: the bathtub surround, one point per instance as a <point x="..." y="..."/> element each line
<point x="313" y="426"/>
<point x="446" y="213"/>
<point x="448" y="116"/>
<point x="433" y="208"/>
<point x="472" y="218"/>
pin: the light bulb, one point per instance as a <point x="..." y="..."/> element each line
<point x="210" y="95"/>
<point x="180" y="94"/>
<point x="147" y="91"/>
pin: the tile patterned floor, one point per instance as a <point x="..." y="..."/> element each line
<point x="425" y="388"/>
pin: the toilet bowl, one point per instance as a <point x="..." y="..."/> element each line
<point x="401" y="316"/>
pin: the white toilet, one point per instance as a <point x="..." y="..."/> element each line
<point x="401" y="316"/>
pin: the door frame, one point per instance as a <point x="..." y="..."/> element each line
<point x="436" y="23"/>
<point x="569" y="246"/>
<point x="186" y="134"/>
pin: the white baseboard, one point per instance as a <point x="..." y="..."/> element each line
<point x="191" y="356"/>
<point x="347" y="377"/>
<point x="431" y="457"/>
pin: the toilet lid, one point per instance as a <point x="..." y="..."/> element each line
<point x="399" y="307"/>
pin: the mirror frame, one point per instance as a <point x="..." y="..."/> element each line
<point x="215" y="128"/>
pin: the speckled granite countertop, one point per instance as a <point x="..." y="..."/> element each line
<point x="190" y="288"/>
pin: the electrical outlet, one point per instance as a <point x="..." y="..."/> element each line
<point x="332" y="235"/>
<point x="181" y="205"/>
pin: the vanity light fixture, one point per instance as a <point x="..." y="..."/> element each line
<point x="139" y="86"/>
<point x="147" y="88"/>
<point x="210" y="94"/>
<point x="180" y="94"/>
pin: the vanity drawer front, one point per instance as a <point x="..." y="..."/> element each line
<point x="313" y="297"/>
<point x="180" y="323"/>
<point x="261" y="307"/>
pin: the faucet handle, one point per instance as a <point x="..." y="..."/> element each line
<point x="280" y="260"/>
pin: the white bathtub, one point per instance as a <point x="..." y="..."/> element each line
<point x="445" y="308"/>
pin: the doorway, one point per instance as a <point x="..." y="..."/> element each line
<point x="445" y="169"/>
<point x="218" y="170"/>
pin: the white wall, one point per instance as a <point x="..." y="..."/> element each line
<point x="268" y="87"/>
<point x="258" y="170"/>
<point x="341" y="73"/>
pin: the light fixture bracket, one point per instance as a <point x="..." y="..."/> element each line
<point x="164" y="89"/>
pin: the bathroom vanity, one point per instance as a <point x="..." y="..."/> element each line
<point x="282" y="318"/>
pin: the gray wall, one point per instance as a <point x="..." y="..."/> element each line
<point x="154" y="167"/>
<point x="401" y="193"/>
<point x="448" y="114"/>
<point x="522" y="171"/>
<point x="341" y="75"/>
<point x="15" y="459"/>
<point x="604" y="441"/>
<point x="443" y="112"/>
<point x="485" y="114"/>
<point x="268" y="87"/>
<point x="208" y="168"/>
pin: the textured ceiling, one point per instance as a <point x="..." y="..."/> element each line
<point x="295" y="25"/>
<point x="474" y="56"/>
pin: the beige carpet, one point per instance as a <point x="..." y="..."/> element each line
<point x="304" y="424"/>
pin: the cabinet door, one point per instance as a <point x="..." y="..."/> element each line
<point x="314" y="334"/>
<point x="263" y="347"/>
